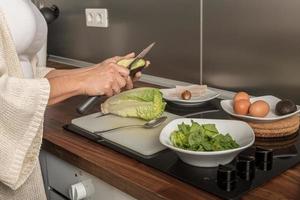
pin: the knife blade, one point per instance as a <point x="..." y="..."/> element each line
<point x="85" y="106"/>
<point x="142" y="54"/>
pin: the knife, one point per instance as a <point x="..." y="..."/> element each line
<point x="139" y="56"/>
<point x="83" y="108"/>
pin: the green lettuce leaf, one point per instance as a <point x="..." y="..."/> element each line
<point x="203" y="137"/>
<point x="210" y="130"/>
<point x="145" y="103"/>
<point x="180" y="140"/>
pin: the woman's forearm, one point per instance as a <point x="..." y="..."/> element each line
<point x="66" y="72"/>
<point x="65" y="86"/>
<point x="66" y="83"/>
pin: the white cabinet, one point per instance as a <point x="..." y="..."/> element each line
<point x="64" y="181"/>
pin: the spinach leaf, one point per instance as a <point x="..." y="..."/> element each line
<point x="205" y="137"/>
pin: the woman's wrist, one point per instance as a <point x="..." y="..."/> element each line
<point x="63" y="87"/>
<point x="80" y="81"/>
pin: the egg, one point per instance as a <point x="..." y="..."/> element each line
<point x="241" y="95"/>
<point x="259" y="108"/>
<point x="241" y="107"/>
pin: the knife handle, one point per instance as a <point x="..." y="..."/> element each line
<point x="83" y="108"/>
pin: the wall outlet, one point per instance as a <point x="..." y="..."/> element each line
<point x="96" y="17"/>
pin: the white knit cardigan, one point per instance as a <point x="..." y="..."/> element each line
<point x="22" y="106"/>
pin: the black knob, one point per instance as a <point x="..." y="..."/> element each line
<point x="263" y="155"/>
<point x="50" y="14"/>
<point x="226" y="177"/>
<point x="246" y="167"/>
<point x="264" y="159"/>
<point x="265" y="166"/>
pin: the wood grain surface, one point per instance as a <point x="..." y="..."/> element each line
<point x="130" y="176"/>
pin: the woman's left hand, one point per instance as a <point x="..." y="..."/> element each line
<point x="129" y="83"/>
<point x="136" y="77"/>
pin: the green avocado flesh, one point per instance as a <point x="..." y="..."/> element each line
<point x="137" y="64"/>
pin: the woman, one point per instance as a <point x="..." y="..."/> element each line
<point x="26" y="90"/>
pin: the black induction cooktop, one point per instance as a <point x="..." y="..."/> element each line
<point x="253" y="167"/>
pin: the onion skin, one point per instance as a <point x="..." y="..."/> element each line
<point x="186" y="95"/>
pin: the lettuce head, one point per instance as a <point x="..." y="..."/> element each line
<point x="145" y="103"/>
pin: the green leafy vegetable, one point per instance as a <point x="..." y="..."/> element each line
<point x="203" y="137"/>
<point x="145" y="103"/>
<point x="179" y="139"/>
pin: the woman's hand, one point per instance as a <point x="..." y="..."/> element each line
<point x="137" y="76"/>
<point x="129" y="81"/>
<point x="106" y="78"/>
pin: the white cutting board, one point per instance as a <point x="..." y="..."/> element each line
<point x="141" y="140"/>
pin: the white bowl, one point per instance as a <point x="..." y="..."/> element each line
<point x="227" y="106"/>
<point x="240" y="131"/>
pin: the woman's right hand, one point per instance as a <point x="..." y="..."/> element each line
<point x="106" y="78"/>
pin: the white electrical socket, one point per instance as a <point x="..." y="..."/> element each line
<point x="96" y="17"/>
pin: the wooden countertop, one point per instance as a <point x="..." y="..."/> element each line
<point x="132" y="177"/>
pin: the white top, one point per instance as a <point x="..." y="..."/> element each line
<point x="28" y="29"/>
<point x="22" y="107"/>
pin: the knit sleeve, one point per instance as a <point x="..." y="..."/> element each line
<point x="39" y="71"/>
<point x="22" y="107"/>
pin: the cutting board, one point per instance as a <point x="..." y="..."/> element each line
<point x="141" y="140"/>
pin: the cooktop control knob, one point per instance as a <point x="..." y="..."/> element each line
<point x="226" y="177"/>
<point x="245" y="166"/>
<point x="81" y="190"/>
<point x="263" y="159"/>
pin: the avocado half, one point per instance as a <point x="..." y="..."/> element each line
<point x="136" y="67"/>
<point x="285" y="107"/>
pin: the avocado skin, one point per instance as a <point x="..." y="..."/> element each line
<point x="136" y="70"/>
<point x="285" y="107"/>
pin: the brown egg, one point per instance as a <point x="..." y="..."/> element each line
<point x="241" y="107"/>
<point x="259" y="108"/>
<point x="241" y="95"/>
